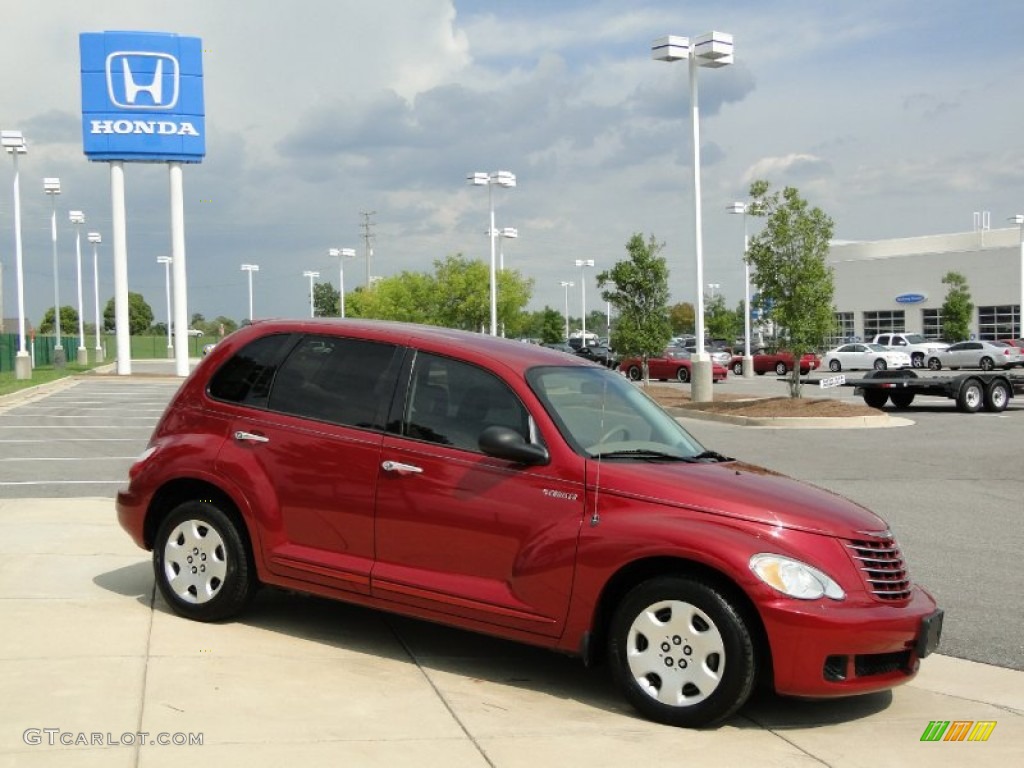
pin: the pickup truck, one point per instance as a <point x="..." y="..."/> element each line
<point x="914" y="344"/>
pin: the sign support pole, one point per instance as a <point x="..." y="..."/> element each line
<point x="121" y="326"/>
<point x="178" y="269"/>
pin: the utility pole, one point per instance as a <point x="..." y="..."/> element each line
<point x="368" y="236"/>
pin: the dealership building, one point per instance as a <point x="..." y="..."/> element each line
<point x="896" y="285"/>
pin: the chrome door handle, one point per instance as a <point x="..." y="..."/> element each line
<point x="402" y="469"/>
<point x="250" y="436"/>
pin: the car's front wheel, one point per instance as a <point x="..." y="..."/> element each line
<point x="781" y="369"/>
<point x="835" y="366"/>
<point x="634" y="373"/>
<point x="681" y="652"/>
<point x="201" y="562"/>
<point x="683" y="374"/>
<point x="917" y="360"/>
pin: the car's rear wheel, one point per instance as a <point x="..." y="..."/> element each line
<point x="683" y="374"/>
<point x="986" y="364"/>
<point x="917" y="360"/>
<point x="835" y="366"/>
<point x="934" y="364"/>
<point x="681" y="652"/>
<point x="201" y="562"/>
<point x="880" y="365"/>
<point x="634" y="373"/>
<point x="781" y="369"/>
<point x="737" y="367"/>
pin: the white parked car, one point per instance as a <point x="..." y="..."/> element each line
<point x="977" y="354"/>
<point x="851" y="357"/>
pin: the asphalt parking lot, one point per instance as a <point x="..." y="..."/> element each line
<point x="946" y="484"/>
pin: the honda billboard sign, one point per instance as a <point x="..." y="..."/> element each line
<point x="142" y="97"/>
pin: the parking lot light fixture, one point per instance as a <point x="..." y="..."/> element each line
<point x="341" y="254"/>
<point x="567" y="284"/>
<point x="167" y="261"/>
<point x="506" y="233"/>
<point x="505" y="179"/>
<point x="78" y="219"/>
<point x="250" y="268"/>
<point x="51" y="186"/>
<point x="95" y="238"/>
<point x="1018" y="219"/>
<point x="14" y="143"/>
<point x="711" y="50"/>
<point x="582" y="264"/>
<point x="312" y="278"/>
<point x="748" y="360"/>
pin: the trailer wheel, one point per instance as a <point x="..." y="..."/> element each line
<point x="934" y="364"/>
<point x="902" y="398"/>
<point x="997" y="397"/>
<point x="875" y="398"/>
<point x="971" y="396"/>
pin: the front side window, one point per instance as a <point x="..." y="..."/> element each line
<point x="601" y="414"/>
<point x="338" y="380"/>
<point x="451" y="403"/>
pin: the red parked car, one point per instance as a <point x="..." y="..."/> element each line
<point x="670" y="364"/>
<point x="779" y="362"/>
<point x="521" y="492"/>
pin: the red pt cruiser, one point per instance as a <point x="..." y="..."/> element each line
<point x="514" y="490"/>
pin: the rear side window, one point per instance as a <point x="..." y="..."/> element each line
<point x="245" y="378"/>
<point x="338" y="380"/>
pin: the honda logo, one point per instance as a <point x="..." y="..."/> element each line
<point x="142" y="80"/>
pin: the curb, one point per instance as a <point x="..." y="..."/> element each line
<point x="882" y="420"/>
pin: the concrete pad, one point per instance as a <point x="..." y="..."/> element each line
<point x="68" y="526"/>
<point x="973" y="681"/>
<point x="71" y="577"/>
<point x="44" y="756"/>
<point x="68" y="629"/>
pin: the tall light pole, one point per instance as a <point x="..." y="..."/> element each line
<point x="748" y="360"/>
<point x="341" y="254"/>
<point x="502" y="179"/>
<point x="582" y="264"/>
<point x="51" y="186"/>
<point x="713" y="50"/>
<point x="95" y="238"/>
<point x="567" y="284"/>
<point x="250" y="268"/>
<point x="1018" y="219"/>
<point x="312" y="276"/>
<point x="712" y="287"/>
<point x="506" y="233"/>
<point x="78" y="219"/>
<point x="167" y="261"/>
<point x="15" y="145"/>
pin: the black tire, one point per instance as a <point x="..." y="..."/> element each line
<point x="199" y="536"/>
<point x="781" y="369"/>
<point x="986" y="364"/>
<point x="880" y="365"/>
<point x="737" y="368"/>
<point x="634" y="373"/>
<point x="917" y="360"/>
<point x="901" y="398"/>
<point x="835" y="366"/>
<point x="934" y="364"/>
<point x="997" y="396"/>
<point x="875" y="398"/>
<point x="683" y="374"/>
<point x="681" y="652"/>
<point x="971" y="396"/>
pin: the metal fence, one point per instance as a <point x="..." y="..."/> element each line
<point x="41" y="348"/>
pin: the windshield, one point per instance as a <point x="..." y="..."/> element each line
<point x="600" y="413"/>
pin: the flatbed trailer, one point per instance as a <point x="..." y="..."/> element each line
<point x="971" y="391"/>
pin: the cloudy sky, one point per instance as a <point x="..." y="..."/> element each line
<point x="898" y="118"/>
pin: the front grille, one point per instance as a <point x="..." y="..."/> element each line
<point x="881" y="564"/>
<point x="880" y="663"/>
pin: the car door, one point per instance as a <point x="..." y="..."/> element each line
<point x="312" y="454"/>
<point x="461" y="533"/>
<point x="661" y="367"/>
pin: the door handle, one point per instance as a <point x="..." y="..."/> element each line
<point x="401" y="469"/>
<point x="251" y="437"/>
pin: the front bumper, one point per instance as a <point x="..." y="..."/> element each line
<point x="826" y="648"/>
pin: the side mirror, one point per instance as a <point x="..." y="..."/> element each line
<point x="505" y="443"/>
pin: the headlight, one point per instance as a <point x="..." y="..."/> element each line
<point x="793" y="578"/>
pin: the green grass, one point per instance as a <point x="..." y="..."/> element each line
<point x="42" y="374"/>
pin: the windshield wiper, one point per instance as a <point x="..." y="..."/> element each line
<point x="712" y="456"/>
<point x="639" y="453"/>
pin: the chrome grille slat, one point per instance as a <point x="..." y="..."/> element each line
<point x="882" y="567"/>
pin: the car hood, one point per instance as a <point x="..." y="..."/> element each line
<point x="741" y="491"/>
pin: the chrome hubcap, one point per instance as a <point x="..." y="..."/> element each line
<point x="675" y="653"/>
<point x="195" y="562"/>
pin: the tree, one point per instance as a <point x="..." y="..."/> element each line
<point x="140" y="315"/>
<point x="325" y="300"/>
<point x="722" y="322"/>
<point x="682" y="318"/>
<point x="639" y="293"/>
<point x="68" y="321"/>
<point x="957" y="309"/>
<point x="789" y="255"/>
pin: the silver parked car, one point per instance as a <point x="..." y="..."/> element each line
<point x="851" y="357"/>
<point x="977" y="354"/>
